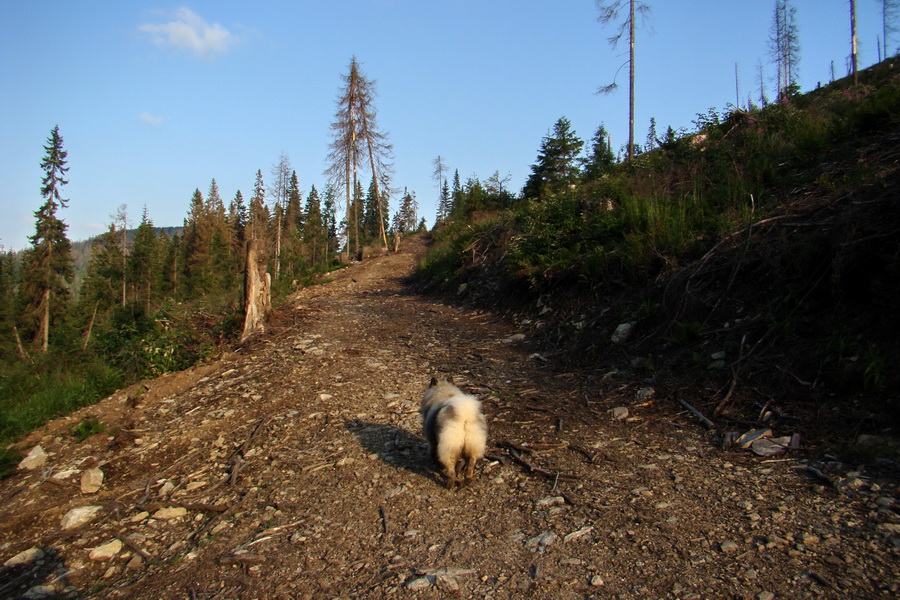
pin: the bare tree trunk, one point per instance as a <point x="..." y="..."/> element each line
<point x="853" y="41"/>
<point x="631" y="85"/>
<point x="44" y="330"/>
<point x="22" y="353"/>
<point x="87" y="336"/>
<point x="257" y="295"/>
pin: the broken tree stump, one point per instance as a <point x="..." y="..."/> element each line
<point x="257" y="291"/>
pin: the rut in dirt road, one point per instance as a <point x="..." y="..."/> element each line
<point x="296" y="468"/>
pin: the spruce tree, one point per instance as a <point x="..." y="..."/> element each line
<point x="143" y="262"/>
<point x="258" y="220"/>
<point x="557" y="164"/>
<point x="314" y="233"/>
<point x="47" y="265"/>
<point x="601" y="157"/>
<point x="329" y="218"/>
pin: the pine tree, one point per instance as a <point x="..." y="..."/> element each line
<point x="7" y="313"/>
<point x="197" y="237"/>
<point x="314" y="233"/>
<point x="143" y="263"/>
<point x="258" y="220"/>
<point x="601" y="157"/>
<point x="101" y="290"/>
<point x="237" y="222"/>
<point x="457" y="207"/>
<point x="47" y="265"/>
<point x="444" y="203"/>
<point x="557" y="164"/>
<point x="329" y="219"/>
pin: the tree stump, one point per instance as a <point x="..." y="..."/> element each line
<point x="257" y="291"/>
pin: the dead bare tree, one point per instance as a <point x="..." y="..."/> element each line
<point x="281" y="174"/>
<point x="609" y="13"/>
<point x="355" y="124"/>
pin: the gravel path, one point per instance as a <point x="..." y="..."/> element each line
<point x="295" y="468"/>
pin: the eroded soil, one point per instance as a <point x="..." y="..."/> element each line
<point x="297" y="469"/>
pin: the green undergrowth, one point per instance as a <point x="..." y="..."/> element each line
<point x="770" y="233"/>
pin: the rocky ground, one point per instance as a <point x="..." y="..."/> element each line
<point x="295" y="468"/>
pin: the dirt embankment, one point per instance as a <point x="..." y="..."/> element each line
<point x="295" y="468"/>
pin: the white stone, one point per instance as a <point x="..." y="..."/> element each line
<point x="622" y="333"/>
<point x="106" y="551"/>
<point x="170" y="513"/>
<point x="419" y="583"/>
<point x="35" y="459"/>
<point x="25" y="557"/>
<point x="91" y="480"/>
<point x="619" y="413"/>
<point x="79" y="516"/>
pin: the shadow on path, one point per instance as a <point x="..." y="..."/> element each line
<point x="395" y="446"/>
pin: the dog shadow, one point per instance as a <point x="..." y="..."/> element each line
<point x="395" y="446"/>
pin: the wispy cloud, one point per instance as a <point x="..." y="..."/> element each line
<point x="189" y="32"/>
<point x="152" y="120"/>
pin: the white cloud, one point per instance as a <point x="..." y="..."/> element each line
<point x="190" y="32"/>
<point x="149" y="119"/>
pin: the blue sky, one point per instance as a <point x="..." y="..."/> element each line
<point x="155" y="99"/>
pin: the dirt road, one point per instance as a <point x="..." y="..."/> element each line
<point x="295" y="468"/>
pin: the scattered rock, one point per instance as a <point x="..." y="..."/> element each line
<point x="770" y="446"/>
<point x="36" y="458"/>
<point x="646" y="393"/>
<point x="765" y="596"/>
<point x="728" y="547"/>
<point x="170" y="513"/>
<point x="622" y="333"/>
<point x="597" y="581"/>
<point x="419" y="583"/>
<point x="25" y="557"/>
<point x="41" y="591"/>
<point x="514" y="338"/>
<point x="462" y="288"/>
<point x="106" y="551"/>
<point x="79" y="516"/>
<point x="446" y="583"/>
<point x="543" y="540"/>
<point x="549" y="501"/>
<point x="91" y="480"/>
<point x="619" y="413"/>
<point x="578" y="534"/>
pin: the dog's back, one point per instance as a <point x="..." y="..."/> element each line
<point x="455" y="429"/>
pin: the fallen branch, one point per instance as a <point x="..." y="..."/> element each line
<point x="709" y="424"/>
<point x="133" y="545"/>
<point x="384" y="519"/>
<point x="517" y="458"/>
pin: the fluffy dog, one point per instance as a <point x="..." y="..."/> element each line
<point x="455" y="429"/>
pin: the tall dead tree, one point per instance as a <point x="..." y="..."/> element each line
<point x="355" y="131"/>
<point x="853" y="57"/>
<point x="281" y="174"/>
<point x="784" y="45"/>
<point x="609" y="13"/>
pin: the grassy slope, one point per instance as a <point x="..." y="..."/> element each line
<point x="773" y="237"/>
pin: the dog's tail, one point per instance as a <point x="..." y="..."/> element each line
<point x="463" y="430"/>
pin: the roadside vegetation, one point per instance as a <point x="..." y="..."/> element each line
<point x="770" y="233"/>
